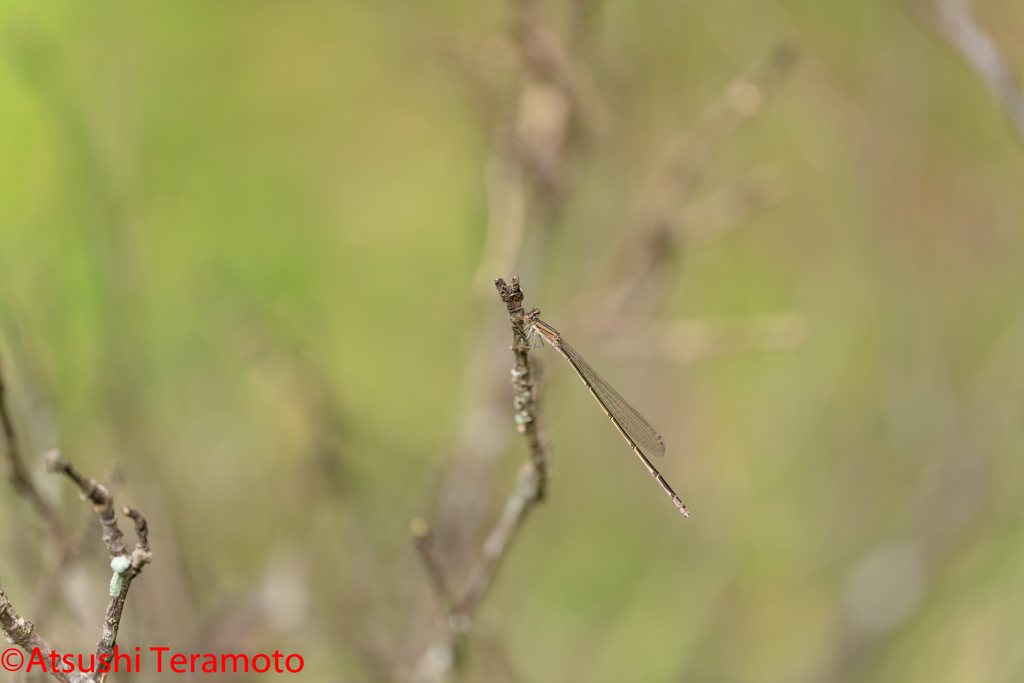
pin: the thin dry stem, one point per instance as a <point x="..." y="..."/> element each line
<point x="22" y="633"/>
<point x="531" y="483"/>
<point x="522" y="383"/>
<point x="22" y="483"/>
<point x="518" y="504"/>
<point x="642" y="253"/>
<point x="423" y="537"/>
<point x="18" y="475"/>
<point x="460" y="609"/>
<point x="960" y="27"/>
<point x="102" y="502"/>
<point x="534" y="142"/>
<point x="126" y="565"/>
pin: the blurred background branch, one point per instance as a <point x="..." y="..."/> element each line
<point x="18" y="476"/>
<point x="643" y="252"/>
<point x="532" y="154"/>
<point x="957" y="22"/>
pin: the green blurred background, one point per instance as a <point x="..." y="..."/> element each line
<point x="239" y="253"/>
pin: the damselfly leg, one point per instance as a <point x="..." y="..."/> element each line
<point x="533" y="340"/>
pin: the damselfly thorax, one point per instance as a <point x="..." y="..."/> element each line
<point x="537" y="329"/>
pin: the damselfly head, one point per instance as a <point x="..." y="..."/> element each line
<point x="532" y="315"/>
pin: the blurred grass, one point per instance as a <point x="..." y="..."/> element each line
<point x="212" y="216"/>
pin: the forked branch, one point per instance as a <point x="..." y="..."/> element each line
<point x="125" y="565"/>
<point x="460" y="607"/>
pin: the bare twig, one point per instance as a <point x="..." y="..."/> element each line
<point x="22" y="483"/>
<point x="141" y="530"/>
<point x="126" y="565"/>
<point x="530" y="488"/>
<point x="958" y="24"/>
<point x="18" y="475"/>
<point x="534" y="137"/>
<point x="23" y="634"/>
<point x="522" y="383"/>
<point x="533" y="141"/>
<point x="102" y="501"/>
<point x="516" y="507"/>
<point x="423" y="538"/>
<point x="531" y="482"/>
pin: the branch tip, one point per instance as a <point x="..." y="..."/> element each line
<point x="53" y="461"/>
<point x="419" y="528"/>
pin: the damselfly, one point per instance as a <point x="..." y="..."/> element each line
<point x="633" y="427"/>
